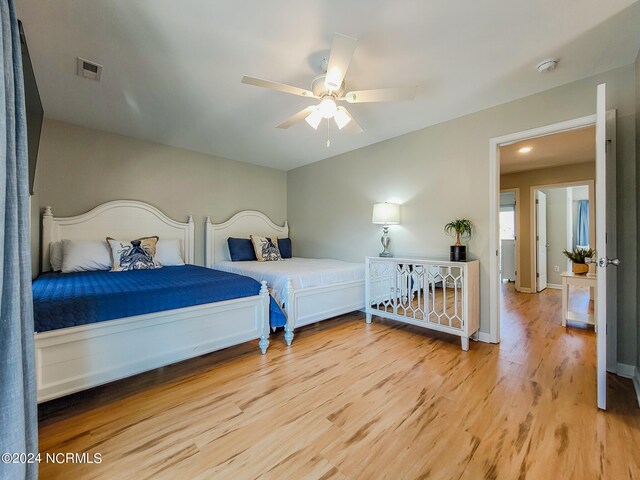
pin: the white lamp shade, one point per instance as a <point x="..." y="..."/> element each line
<point x="341" y="117"/>
<point x="386" y="214"/>
<point x="314" y="118"/>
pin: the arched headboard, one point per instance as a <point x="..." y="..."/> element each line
<point x="241" y="225"/>
<point x="121" y="219"/>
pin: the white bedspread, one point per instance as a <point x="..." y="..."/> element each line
<point x="303" y="272"/>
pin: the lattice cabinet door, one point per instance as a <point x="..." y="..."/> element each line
<point x="433" y="294"/>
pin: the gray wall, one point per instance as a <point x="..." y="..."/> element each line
<point x="79" y="168"/>
<point x="441" y="173"/>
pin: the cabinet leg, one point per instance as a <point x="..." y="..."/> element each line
<point x="368" y="318"/>
<point x="288" y="336"/>
<point x="465" y="343"/>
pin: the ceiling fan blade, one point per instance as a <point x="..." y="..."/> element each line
<point x="352" y="126"/>
<point x="281" y="87"/>
<point x="298" y="117"/>
<point x="342" y="50"/>
<point x="380" y="95"/>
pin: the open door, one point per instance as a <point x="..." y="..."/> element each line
<point x="605" y="251"/>
<point x="541" y="240"/>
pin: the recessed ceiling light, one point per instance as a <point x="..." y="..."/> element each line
<point x="525" y="149"/>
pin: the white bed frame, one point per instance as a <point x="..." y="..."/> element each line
<point x="304" y="305"/>
<point x="76" y="358"/>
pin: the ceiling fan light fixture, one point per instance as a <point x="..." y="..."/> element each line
<point x="327" y="107"/>
<point x="314" y="118"/>
<point x="341" y="117"/>
<point x="333" y="79"/>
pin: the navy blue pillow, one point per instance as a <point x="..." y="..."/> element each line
<point x="284" y="245"/>
<point x="241" y="249"/>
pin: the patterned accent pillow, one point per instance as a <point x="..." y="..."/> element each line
<point x="137" y="254"/>
<point x="266" y="248"/>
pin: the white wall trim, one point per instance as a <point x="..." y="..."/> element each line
<point x="632" y="372"/>
<point x="484" y="337"/>
<point x="626" y="371"/>
<point x="554" y="286"/>
<point x="526" y="290"/>
<point x="494" y="206"/>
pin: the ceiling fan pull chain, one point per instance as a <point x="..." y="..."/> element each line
<point x="328" y="139"/>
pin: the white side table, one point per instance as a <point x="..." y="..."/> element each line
<point x="569" y="279"/>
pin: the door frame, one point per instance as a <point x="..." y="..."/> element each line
<point x="534" y="225"/>
<point x="516" y="213"/>
<point x="534" y="248"/>
<point x="494" y="208"/>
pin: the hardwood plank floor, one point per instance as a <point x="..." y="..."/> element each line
<point x="356" y="401"/>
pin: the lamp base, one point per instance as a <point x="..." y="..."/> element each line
<point x="385" y="240"/>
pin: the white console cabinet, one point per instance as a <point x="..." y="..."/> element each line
<point x="434" y="294"/>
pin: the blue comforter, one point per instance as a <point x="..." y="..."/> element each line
<point x="62" y="300"/>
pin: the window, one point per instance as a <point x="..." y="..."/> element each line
<point x="507" y="223"/>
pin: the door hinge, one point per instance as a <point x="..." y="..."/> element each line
<point x="537" y="201"/>
<point x="537" y="275"/>
<point x="537" y="238"/>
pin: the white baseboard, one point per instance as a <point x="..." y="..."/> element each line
<point x="525" y="290"/>
<point x="555" y="286"/>
<point x="630" y="371"/>
<point x="626" y="371"/>
<point x="484" y="337"/>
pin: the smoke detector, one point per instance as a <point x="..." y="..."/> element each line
<point x="548" y="65"/>
<point x="90" y="70"/>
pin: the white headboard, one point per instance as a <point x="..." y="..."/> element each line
<point x="241" y="225"/>
<point x="121" y="219"/>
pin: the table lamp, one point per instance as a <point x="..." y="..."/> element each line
<point x="385" y="214"/>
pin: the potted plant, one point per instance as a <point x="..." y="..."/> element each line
<point x="577" y="257"/>
<point x="459" y="229"/>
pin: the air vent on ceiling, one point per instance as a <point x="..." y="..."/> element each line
<point x="90" y="70"/>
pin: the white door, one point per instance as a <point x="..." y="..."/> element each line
<point x="508" y="260"/>
<point x="605" y="251"/>
<point x="541" y="225"/>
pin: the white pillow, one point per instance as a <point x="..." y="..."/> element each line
<point x="85" y="255"/>
<point x="169" y="252"/>
<point x="55" y="256"/>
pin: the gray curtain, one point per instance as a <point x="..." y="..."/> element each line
<point x="18" y="407"/>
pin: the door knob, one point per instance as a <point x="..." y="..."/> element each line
<point x="603" y="262"/>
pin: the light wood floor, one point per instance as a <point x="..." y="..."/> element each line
<point x="351" y="401"/>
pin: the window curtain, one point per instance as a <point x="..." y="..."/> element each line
<point x="582" y="225"/>
<point x="18" y="407"/>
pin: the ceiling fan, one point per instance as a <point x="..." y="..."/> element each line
<point x="330" y="88"/>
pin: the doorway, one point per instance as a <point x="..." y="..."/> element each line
<point x="563" y="220"/>
<point x="509" y="222"/>
<point x="496" y="147"/>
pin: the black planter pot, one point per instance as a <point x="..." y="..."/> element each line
<point x="458" y="253"/>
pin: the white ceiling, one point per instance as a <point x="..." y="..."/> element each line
<point x="172" y="69"/>
<point x="566" y="148"/>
